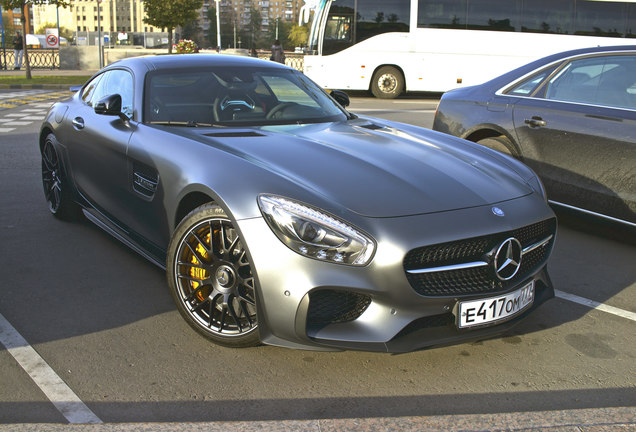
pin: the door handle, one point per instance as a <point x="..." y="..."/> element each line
<point x="535" y="121"/>
<point x="78" y="122"/>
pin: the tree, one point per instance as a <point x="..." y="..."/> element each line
<point x="298" y="35"/>
<point x="24" y="5"/>
<point x="64" y="32"/>
<point x="256" y="21"/>
<point x="171" y="14"/>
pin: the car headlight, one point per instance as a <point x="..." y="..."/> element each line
<point x="314" y="233"/>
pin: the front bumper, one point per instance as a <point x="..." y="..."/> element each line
<point x="375" y="307"/>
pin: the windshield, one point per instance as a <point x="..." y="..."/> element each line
<point x="236" y="96"/>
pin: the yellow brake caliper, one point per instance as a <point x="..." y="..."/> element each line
<point x="197" y="272"/>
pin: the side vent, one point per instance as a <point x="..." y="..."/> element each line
<point x="145" y="180"/>
<point x="372" y="126"/>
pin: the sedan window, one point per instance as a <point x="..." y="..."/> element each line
<point x="529" y="85"/>
<point x="608" y="81"/>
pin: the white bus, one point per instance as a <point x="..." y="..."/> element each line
<point x="391" y="46"/>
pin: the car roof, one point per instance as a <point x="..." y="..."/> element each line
<point x="530" y="67"/>
<point x="186" y="61"/>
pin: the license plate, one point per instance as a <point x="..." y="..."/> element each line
<point x="493" y="309"/>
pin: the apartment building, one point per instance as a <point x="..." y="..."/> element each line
<point x="271" y="11"/>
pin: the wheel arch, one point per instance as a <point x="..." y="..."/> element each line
<point x="189" y="202"/>
<point x="46" y="130"/>
<point x="479" y="133"/>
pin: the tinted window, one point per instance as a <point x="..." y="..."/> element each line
<point x="249" y="96"/>
<point x="631" y="20"/>
<point x="494" y="15"/>
<point x="89" y="89"/>
<point x="351" y="21"/>
<point x="374" y="17"/>
<point x="547" y="16"/>
<point x="608" y="81"/>
<point x="529" y="85"/>
<point x="585" y="17"/>
<point x="116" y="82"/>
<point x="442" y="14"/>
<point x="600" y="18"/>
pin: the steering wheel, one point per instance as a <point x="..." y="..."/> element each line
<point x="158" y="110"/>
<point x="278" y="109"/>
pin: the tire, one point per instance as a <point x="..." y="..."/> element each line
<point x="500" y="144"/>
<point x="56" y="187"/>
<point x="387" y="83"/>
<point x="211" y="279"/>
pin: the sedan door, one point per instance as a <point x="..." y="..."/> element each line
<point x="580" y="135"/>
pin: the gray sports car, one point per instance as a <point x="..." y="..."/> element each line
<point x="282" y="218"/>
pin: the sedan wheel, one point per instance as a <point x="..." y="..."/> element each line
<point x="56" y="191"/>
<point x="211" y="278"/>
<point x="500" y="144"/>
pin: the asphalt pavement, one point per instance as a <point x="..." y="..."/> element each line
<point x="31" y="104"/>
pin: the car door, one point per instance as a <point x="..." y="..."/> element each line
<point x="579" y="134"/>
<point x="98" y="143"/>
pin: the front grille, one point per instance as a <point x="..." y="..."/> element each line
<point x="475" y="280"/>
<point x="332" y="306"/>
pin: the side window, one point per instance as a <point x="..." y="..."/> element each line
<point x="89" y="89"/>
<point x="608" y="81"/>
<point x="529" y="85"/>
<point x="116" y="82"/>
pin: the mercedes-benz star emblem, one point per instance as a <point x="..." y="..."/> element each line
<point x="508" y="259"/>
<point x="498" y="212"/>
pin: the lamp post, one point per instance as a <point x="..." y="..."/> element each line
<point x="99" y="37"/>
<point x="218" y="26"/>
<point x="4" y="53"/>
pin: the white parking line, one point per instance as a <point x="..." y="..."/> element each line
<point x="5" y="130"/>
<point x="596" y="305"/>
<point x="17" y="123"/>
<point x="56" y="390"/>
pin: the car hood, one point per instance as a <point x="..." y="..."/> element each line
<point x="372" y="170"/>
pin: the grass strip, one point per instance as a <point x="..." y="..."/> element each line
<point x="45" y="79"/>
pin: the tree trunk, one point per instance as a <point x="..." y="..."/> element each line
<point x="170" y="40"/>
<point x="25" y="51"/>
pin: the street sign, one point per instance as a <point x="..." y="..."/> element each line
<point x="52" y="39"/>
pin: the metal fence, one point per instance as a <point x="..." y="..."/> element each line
<point x="294" y="60"/>
<point x="39" y="58"/>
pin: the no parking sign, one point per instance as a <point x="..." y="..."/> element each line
<point x="52" y="39"/>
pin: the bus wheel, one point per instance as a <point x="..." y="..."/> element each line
<point x="387" y="83"/>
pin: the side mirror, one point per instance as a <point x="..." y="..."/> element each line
<point x="110" y="105"/>
<point x="341" y="97"/>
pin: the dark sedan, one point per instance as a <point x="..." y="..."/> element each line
<point x="570" y="116"/>
<point x="282" y="218"/>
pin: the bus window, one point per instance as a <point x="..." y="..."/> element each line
<point x="631" y="21"/>
<point x="375" y="17"/>
<point x="494" y="15"/>
<point x="442" y="14"/>
<point x="372" y="17"/>
<point x="339" y="26"/>
<point x="599" y="18"/>
<point x="547" y="16"/>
